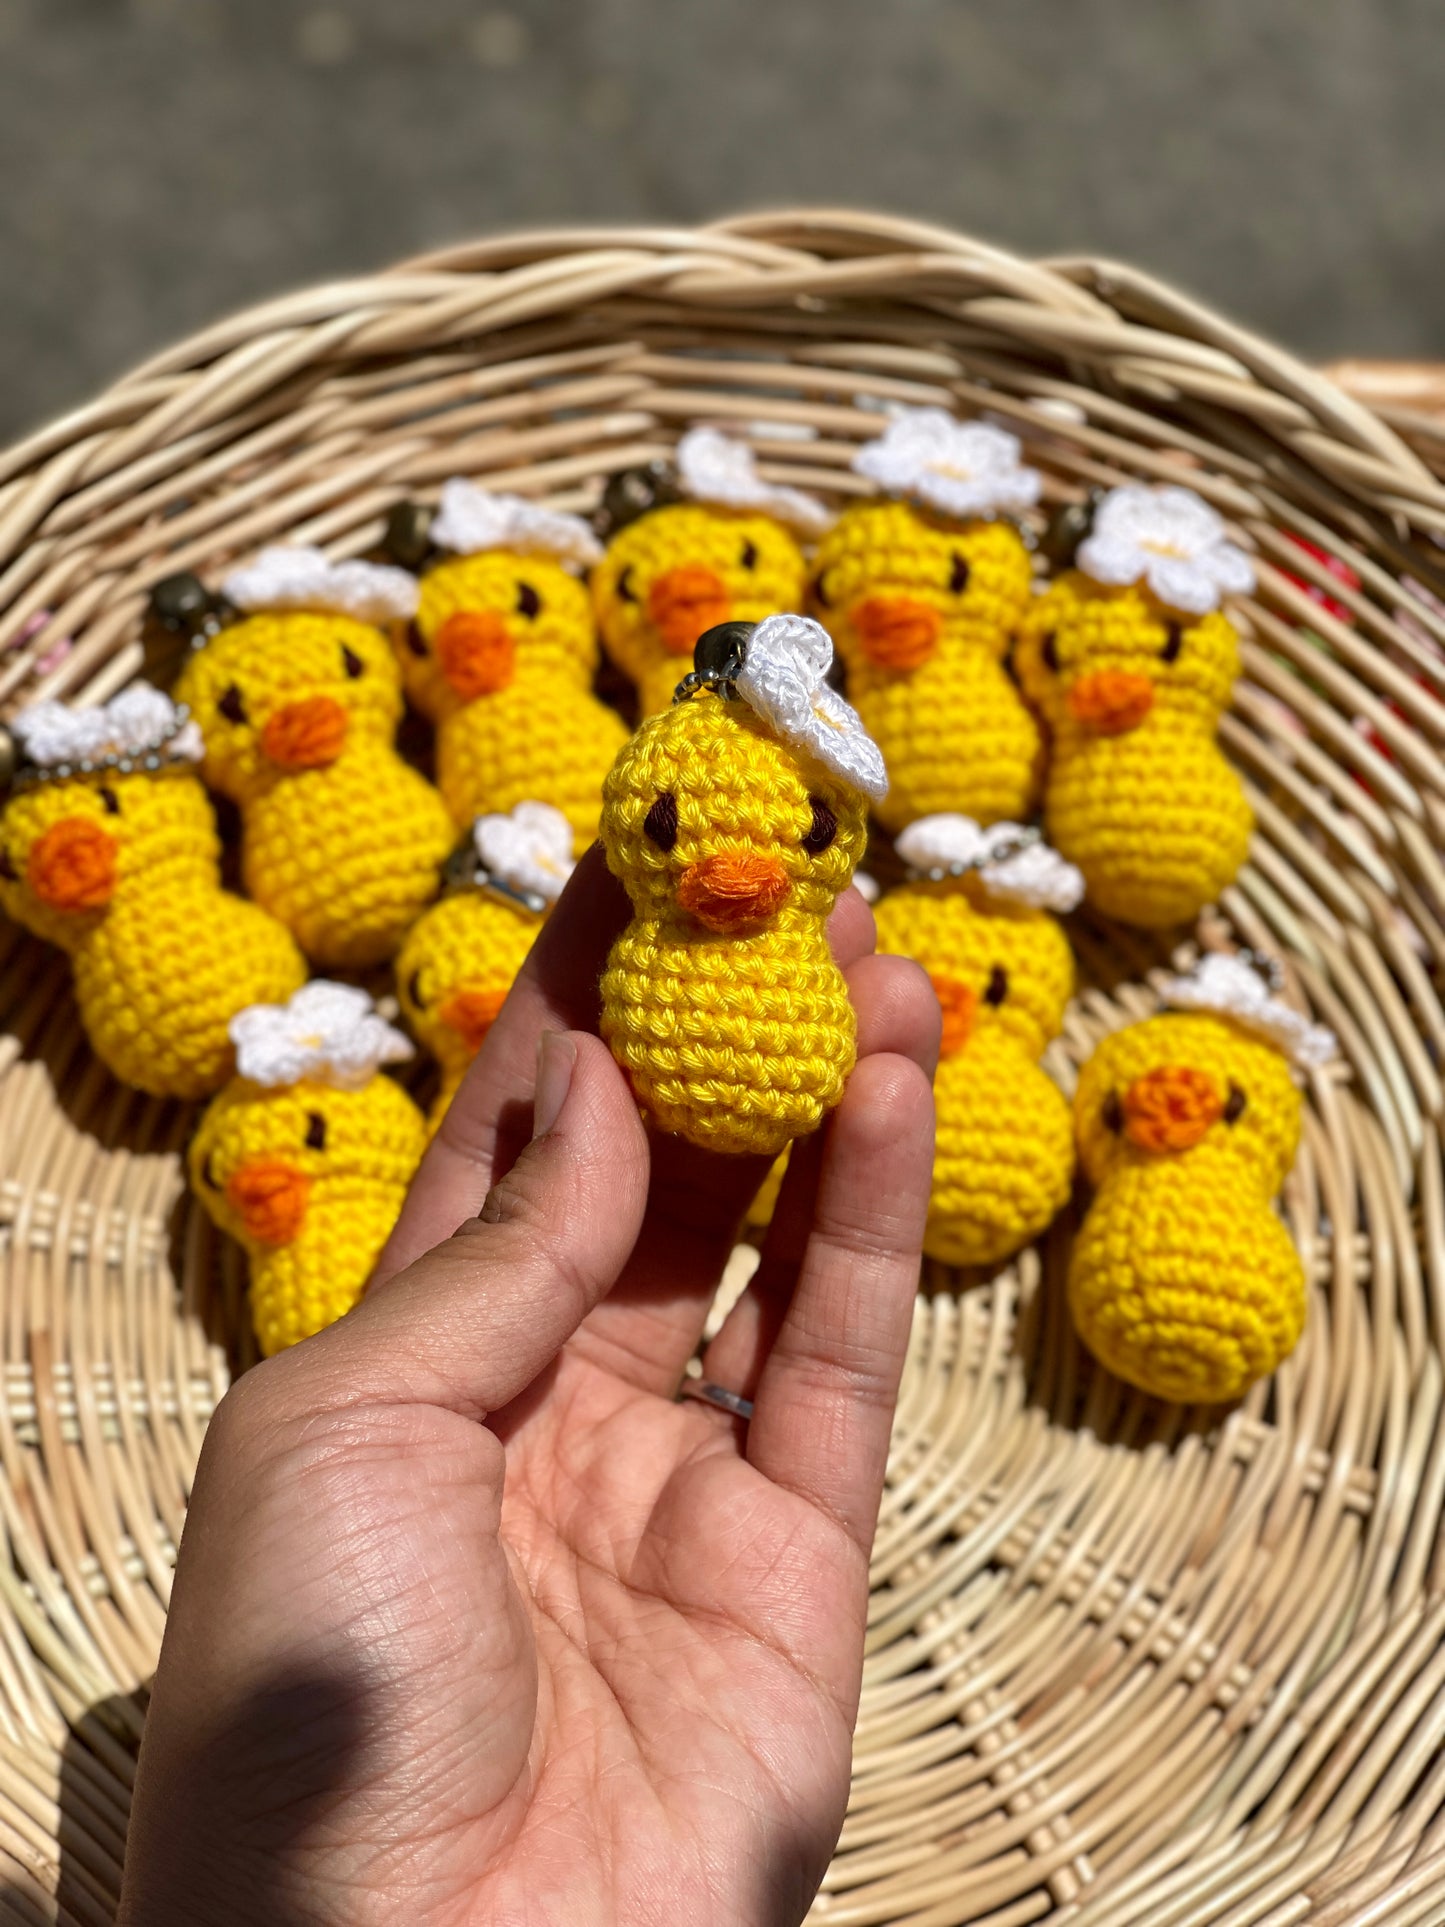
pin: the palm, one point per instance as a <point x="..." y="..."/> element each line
<point x="489" y="1626"/>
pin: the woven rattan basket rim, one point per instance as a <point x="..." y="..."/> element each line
<point x="1126" y="1663"/>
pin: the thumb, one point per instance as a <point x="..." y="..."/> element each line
<point x="472" y="1322"/>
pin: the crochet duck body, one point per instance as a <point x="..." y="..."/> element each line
<point x="342" y="840"/>
<point x="122" y="871"/>
<point x="923" y="609"/>
<point x="721" y="999"/>
<point x="1183" y="1280"/>
<point x="501" y="657"/>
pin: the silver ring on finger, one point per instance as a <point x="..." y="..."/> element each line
<point x="718" y="1396"/>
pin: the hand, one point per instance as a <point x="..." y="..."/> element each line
<point x="473" y="1622"/>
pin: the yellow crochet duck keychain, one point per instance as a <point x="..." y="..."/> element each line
<point x="978" y="914"/>
<point x="298" y="696"/>
<point x="1184" y="1281"/>
<point x="1130" y="660"/>
<point x="735" y="819"/>
<point x="923" y="592"/>
<point x="687" y="551"/>
<point x="108" y="848"/>
<point x="501" y="653"/>
<point x="305" y="1156"/>
<point x="460" y="960"/>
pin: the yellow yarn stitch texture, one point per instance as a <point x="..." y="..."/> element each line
<point x="353" y="1184"/>
<point x="460" y="958"/>
<point x="1183" y="1280"/>
<point x="540" y="731"/>
<point x="162" y="966"/>
<point x="1004" y="1158"/>
<point x="1150" y="812"/>
<point x="345" y="849"/>
<point x="922" y="610"/>
<point x="755" y="566"/>
<point x="738" y="1040"/>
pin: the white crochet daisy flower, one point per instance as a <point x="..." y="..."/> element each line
<point x="785" y="679"/>
<point x="713" y="467"/>
<point x="1013" y="864"/>
<point x="137" y="722"/>
<point x="965" y="469"/>
<point x="327" y="1033"/>
<point x="471" y="519"/>
<point x="529" y="850"/>
<point x="293" y="576"/>
<point x="1233" y="987"/>
<point x="1171" y="539"/>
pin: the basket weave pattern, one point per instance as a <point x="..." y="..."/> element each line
<point x="1127" y="1663"/>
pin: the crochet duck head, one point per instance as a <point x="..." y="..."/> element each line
<point x="499" y="598"/>
<point x="104" y="795"/>
<point x="294" y="666"/>
<point x="724" y="549"/>
<point x="1134" y="631"/>
<point x="930" y="567"/>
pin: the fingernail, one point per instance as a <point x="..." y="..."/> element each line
<point x="556" y="1060"/>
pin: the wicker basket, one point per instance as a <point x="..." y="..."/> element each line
<point x="1127" y="1663"/>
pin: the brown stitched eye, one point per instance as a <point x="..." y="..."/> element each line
<point x="1234" y="1104"/>
<point x="315" y="1131"/>
<point x="1175" y="642"/>
<point x="997" y="987"/>
<point x="749" y="556"/>
<point x="415" y="640"/>
<point x="529" y="603"/>
<point x="233" y="705"/>
<point x="624" y="585"/>
<point x="352" y="663"/>
<point x="1049" y="652"/>
<point x="109" y="801"/>
<point x="8" y="869"/>
<point x="413" y="989"/>
<point x="958" y="580"/>
<point x="1112" y="1112"/>
<point x="823" y="828"/>
<point x="660" y="822"/>
<point x="820" y="594"/>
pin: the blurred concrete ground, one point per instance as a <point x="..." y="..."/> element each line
<point x="163" y="161"/>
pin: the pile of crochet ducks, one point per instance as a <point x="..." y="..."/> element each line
<point x="1022" y="743"/>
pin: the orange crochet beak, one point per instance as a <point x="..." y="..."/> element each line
<point x="72" y="866"/>
<point x="732" y="890"/>
<point x="307" y="734"/>
<point x="1170" y="1108"/>
<point x="477" y="653"/>
<point x="471" y="1010"/>
<point x="684" y="602"/>
<point x="959" y="1004"/>
<point x="1111" y="702"/>
<point x="896" y="632"/>
<point x="269" y="1196"/>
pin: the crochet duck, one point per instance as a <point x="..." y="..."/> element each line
<point x="715" y="544"/>
<point x="298" y="696"/>
<point x="305" y="1156"/>
<point x="978" y="915"/>
<point x="923" y="592"/>
<point x="500" y="655"/>
<point x="1130" y="660"/>
<point x="460" y="960"/>
<point x="735" y="819"/>
<point x="1183" y="1280"/>
<point x="108" y="848"/>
